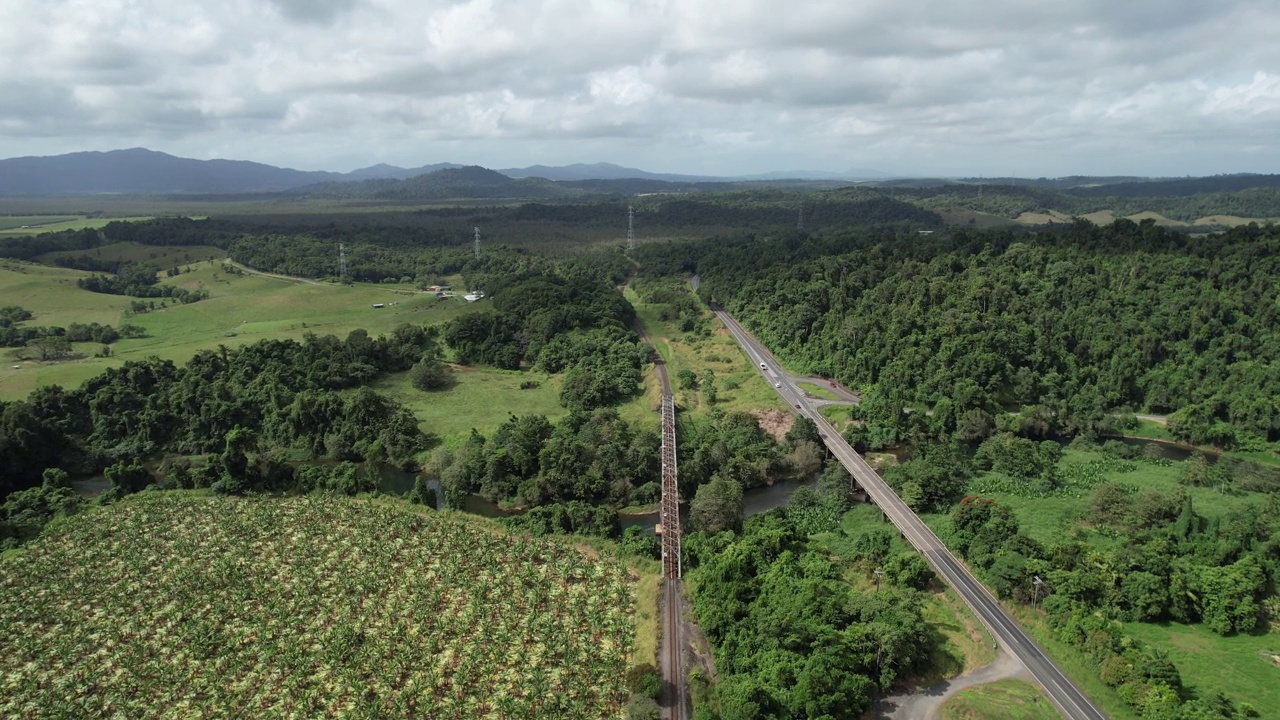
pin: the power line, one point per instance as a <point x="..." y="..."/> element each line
<point x="631" y="229"/>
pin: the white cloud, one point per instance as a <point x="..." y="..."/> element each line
<point x="915" y="86"/>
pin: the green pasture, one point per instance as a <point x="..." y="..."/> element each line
<point x="241" y="309"/>
<point x="1150" y="429"/>
<point x="1053" y="519"/>
<point x="11" y="226"/>
<point x="1001" y="700"/>
<point x="481" y="398"/>
<point x="16" y="222"/>
<point x="817" y="391"/>
<point x="1240" y="666"/>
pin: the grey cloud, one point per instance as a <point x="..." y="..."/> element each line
<point x="698" y="84"/>
<point x="313" y="11"/>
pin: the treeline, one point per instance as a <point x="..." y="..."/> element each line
<point x="289" y="392"/>
<point x="1068" y="325"/>
<point x="161" y="231"/>
<point x="137" y="279"/>
<point x="575" y="323"/>
<point x="1170" y="199"/>
<point x="55" y="340"/>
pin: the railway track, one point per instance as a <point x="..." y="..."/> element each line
<point x="671" y="658"/>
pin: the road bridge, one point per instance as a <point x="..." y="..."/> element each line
<point x="1064" y="694"/>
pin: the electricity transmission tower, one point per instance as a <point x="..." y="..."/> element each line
<point x="631" y="229"/>
<point x="342" y="260"/>
<point x="800" y="217"/>
<point x="476" y="244"/>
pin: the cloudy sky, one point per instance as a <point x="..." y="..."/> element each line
<point x="940" y="87"/>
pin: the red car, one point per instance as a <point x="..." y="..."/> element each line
<point x="833" y="384"/>
<point x="797" y="407"/>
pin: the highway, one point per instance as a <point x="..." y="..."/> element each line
<point x="1064" y="694"/>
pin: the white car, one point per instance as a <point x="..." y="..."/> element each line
<point x="777" y="385"/>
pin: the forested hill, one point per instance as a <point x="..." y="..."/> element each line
<point x="1080" y="321"/>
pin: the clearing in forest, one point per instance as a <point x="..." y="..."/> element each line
<point x="174" y="605"/>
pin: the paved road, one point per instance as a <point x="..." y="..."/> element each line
<point x="1068" y="698"/>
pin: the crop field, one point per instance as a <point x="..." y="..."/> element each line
<point x="168" y="606"/>
<point x="241" y="309"/>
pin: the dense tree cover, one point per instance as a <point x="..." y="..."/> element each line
<point x="729" y="446"/>
<point x="567" y="518"/>
<point x="792" y="638"/>
<point x="1185" y="202"/>
<point x="290" y="393"/>
<point x="25" y="513"/>
<point x="1070" y="323"/>
<point x="592" y="457"/>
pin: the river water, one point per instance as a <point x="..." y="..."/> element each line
<point x="755" y="500"/>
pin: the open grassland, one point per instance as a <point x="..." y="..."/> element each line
<point x="1241" y="666"/>
<point x="481" y="398"/>
<point x="1057" y="517"/>
<point x="241" y="309"/>
<point x="1000" y="700"/>
<point x="186" y="606"/>
<point x="739" y="386"/>
<point x="12" y="226"/>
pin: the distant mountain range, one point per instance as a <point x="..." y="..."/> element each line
<point x="147" y="172"/>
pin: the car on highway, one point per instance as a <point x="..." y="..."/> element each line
<point x="797" y="407"/>
<point x="833" y="383"/>
<point x="777" y="385"/>
<point x="763" y="366"/>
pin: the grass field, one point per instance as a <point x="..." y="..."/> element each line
<point x="1053" y="519"/>
<point x="739" y="386"/>
<point x="241" y="309"/>
<point x="1237" y="666"/>
<point x="1000" y="700"/>
<point x="12" y="225"/>
<point x="176" y="605"/>
<point x="817" y="391"/>
<point x="1150" y="429"/>
<point x="480" y="398"/>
